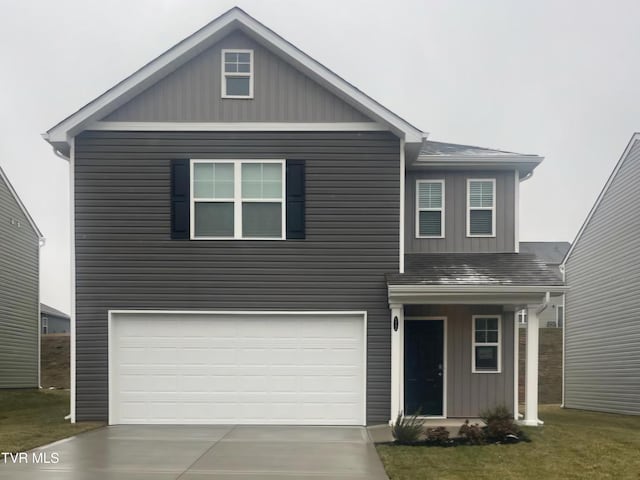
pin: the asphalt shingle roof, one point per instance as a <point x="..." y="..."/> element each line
<point x="551" y="253"/>
<point x="506" y="269"/>
<point x="442" y="148"/>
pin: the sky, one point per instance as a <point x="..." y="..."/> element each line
<point x="557" y="78"/>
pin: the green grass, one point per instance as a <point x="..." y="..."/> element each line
<point x="30" y="418"/>
<point x="573" y="444"/>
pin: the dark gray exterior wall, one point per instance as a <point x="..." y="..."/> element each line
<point x="456" y="240"/>
<point x="602" y="328"/>
<point x="281" y="93"/>
<point x="19" y="292"/>
<point x="56" y="324"/>
<point x="126" y="260"/>
<point x="468" y="394"/>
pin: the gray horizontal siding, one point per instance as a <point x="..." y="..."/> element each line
<point x="468" y="394"/>
<point x="602" y="330"/>
<point x="281" y="93"/>
<point x="18" y="295"/>
<point x="456" y="239"/>
<point x="126" y="260"/>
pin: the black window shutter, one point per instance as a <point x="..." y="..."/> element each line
<point x="180" y="199"/>
<point x="295" y="199"/>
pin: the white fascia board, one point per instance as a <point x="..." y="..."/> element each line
<point x="634" y="138"/>
<point x="469" y="294"/>
<point x="200" y="41"/>
<point x="237" y="126"/>
<point x="21" y="206"/>
<point x="471" y="289"/>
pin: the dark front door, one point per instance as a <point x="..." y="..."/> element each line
<point x="423" y="367"/>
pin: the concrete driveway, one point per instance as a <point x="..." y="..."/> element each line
<point x="211" y="452"/>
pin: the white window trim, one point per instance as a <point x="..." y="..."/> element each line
<point x="224" y="75"/>
<point x="441" y="209"/>
<point x="488" y="344"/>
<point x="492" y="208"/>
<point x="237" y="199"/>
<point x="522" y="316"/>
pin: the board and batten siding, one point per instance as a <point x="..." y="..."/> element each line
<point x="602" y="328"/>
<point x="192" y="93"/>
<point x="456" y="240"/>
<point x="19" y="302"/>
<point x="126" y="260"/>
<point x="468" y="394"/>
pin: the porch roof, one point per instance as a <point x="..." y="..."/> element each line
<point x="480" y="269"/>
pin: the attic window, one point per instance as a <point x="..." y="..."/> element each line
<point x="237" y="73"/>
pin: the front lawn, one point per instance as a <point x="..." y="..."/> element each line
<point x="30" y="418"/>
<point x="573" y="444"/>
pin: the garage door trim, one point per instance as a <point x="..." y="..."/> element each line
<point x="110" y="339"/>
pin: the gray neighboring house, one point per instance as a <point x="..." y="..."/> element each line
<point x="20" y="242"/>
<point x="259" y="242"/>
<point x="602" y="328"/>
<point x="552" y="254"/>
<point x="53" y="321"/>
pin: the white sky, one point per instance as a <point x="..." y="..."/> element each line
<point x="556" y="78"/>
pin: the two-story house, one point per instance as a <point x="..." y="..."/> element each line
<point x="20" y="242"/>
<point x="258" y="241"/>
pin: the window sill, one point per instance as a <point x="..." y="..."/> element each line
<point x="238" y="97"/>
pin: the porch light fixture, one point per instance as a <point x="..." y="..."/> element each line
<point x="395" y="324"/>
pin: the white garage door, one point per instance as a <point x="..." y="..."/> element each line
<point x="227" y="368"/>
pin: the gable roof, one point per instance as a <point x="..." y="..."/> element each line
<point x="47" y="310"/>
<point x="20" y="204"/>
<point x="60" y="135"/>
<point x="487" y="269"/>
<point x="634" y="138"/>
<point x="453" y="155"/>
<point x="550" y="253"/>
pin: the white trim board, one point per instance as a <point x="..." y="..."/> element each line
<point x="237" y="126"/>
<point x="634" y="138"/>
<point x="178" y="55"/>
<point x="112" y="313"/>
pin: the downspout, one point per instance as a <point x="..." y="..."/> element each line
<point x="545" y="304"/>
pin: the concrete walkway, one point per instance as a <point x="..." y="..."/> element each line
<point x="207" y="452"/>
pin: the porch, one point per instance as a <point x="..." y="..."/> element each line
<point x="454" y="334"/>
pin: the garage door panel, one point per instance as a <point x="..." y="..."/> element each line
<point x="237" y="369"/>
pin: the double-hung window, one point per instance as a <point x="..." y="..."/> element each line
<point x="481" y="207"/>
<point x="238" y="199"/>
<point x="237" y="73"/>
<point x="486" y="355"/>
<point x="430" y="209"/>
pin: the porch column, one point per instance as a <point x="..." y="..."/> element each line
<point x="531" y="370"/>
<point x="397" y="324"/>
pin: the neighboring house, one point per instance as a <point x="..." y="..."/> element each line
<point x="257" y="241"/>
<point x="602" y="329"/>
<point x="20" y="242"/>
<point x="551" y="253"/>
<point x="53" y="321"/>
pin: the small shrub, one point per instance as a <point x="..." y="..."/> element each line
<point x="473" y="434"/>
<point x="501" y="426"/>
<point x="407" y="430"/>
<point x="437" y="436"/>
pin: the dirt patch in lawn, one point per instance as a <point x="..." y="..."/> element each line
<point x="54" y="360"/>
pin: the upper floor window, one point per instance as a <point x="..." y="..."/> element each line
<point x="238" y="199"/>
<point x="237" y="73"/>
<point x="481" y="207"/>
<point x="430" y="209"/>
<point x="486" y="356"/>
